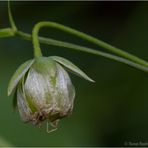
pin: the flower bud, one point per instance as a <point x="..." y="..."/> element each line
<point x="44" y="89"/>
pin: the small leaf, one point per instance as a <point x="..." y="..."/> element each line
<point x="20" y="72"/>
<point x="71" y="67"/>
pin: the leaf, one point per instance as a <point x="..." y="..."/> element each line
<point x="20" y="72"/>
<point x="71" y="67"/>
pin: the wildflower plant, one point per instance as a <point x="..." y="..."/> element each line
<point x="42" y="87"/>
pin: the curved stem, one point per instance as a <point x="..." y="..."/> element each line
<point x="53" y="42"/>
<point x="35" y="40"/>
<point x="12" y="23"/>
<point x="8" y="32"/>
<point x="126" y="58"/>
<point x="90" y="39"/>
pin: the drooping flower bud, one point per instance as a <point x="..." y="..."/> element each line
<point x="44" y="89"/>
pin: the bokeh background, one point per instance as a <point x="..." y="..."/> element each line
<point x="111" y="112"/>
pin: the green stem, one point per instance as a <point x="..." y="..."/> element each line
<point x="6" y="32"/>
<point x="35" y="40"/>
<point x="90" y="39"/>
<point x="126" y="58"/>
<point x="12" y="23"/>
<point x="53" y="42"/>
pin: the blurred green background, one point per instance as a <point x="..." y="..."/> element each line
<point x="110" y="112"/>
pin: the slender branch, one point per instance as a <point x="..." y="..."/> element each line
<point x="35" y="40"/>
<point x="125" y="57"/>
<point x="6" y="32"/>
<point x="92" y="40"/>
<point x="12" y="23"/>
<point x="53" y="42"/>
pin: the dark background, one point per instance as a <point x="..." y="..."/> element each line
<point x="111" y="112"/>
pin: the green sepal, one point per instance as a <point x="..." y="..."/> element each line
<point x="20" y="72"/>
<point x="41" y="65"/>
<point x="70" y="66"/>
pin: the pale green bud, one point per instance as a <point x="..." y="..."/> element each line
<point x="44" y="89"/>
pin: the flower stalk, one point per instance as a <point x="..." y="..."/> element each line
<point x="11" y="20"/>
<point x="120" y="55"/>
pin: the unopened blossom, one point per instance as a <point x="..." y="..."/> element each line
<point x="44" y="90"/>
